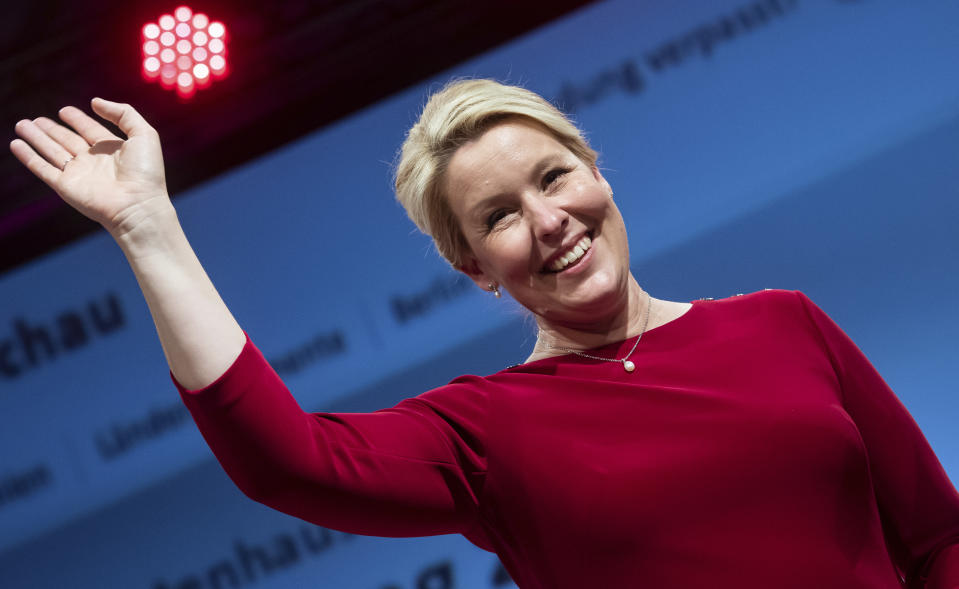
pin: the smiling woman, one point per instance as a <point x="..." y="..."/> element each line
<point x="745" y="442"/>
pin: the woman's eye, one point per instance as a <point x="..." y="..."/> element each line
<point x="494" y="218"/>
<point x="553" y="175"/>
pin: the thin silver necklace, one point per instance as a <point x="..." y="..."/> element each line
<point x="628" y="365"/>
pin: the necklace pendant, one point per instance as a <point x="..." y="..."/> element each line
<point x="629" y="366"/>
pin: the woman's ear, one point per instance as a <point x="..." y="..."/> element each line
<point x="471" y="267"/>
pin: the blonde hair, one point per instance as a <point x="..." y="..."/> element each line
<point x="454" y="116"/>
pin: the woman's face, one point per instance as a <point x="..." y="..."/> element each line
<point x="524" y="203"/>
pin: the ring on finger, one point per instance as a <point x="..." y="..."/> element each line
<point x="65" y="162"/>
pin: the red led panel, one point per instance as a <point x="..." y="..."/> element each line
<point x="183" y="51"/>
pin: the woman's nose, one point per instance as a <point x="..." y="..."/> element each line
<point x="548" y="219"/>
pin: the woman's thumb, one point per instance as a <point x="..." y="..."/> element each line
<point x="122" y="115"/>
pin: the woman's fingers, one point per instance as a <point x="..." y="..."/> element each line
<point x="43" y="144"/>
<point x="123" y="116"/>
<point x="65" y="137"/>
<point x="89" y="128"/>
<point x="40" y="167"/>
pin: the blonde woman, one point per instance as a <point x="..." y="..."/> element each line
<point x="744" y="442"/>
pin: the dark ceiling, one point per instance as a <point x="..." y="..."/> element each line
<point x="297" y="66"/>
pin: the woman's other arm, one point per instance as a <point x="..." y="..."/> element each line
<point x="918" y="504"/>
<point x="120" y="184"/>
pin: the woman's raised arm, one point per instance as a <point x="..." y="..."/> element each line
<point x="120" y="184"/>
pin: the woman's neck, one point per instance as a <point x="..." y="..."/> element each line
<point x="556" y="338"/>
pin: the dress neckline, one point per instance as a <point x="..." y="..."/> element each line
<point x="612" y="349"/>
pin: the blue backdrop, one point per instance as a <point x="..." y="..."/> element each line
<point x="801" y="144"/>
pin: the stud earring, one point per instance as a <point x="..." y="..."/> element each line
<point x="494" y="288"/>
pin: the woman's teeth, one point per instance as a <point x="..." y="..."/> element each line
<point x="581" y="247"/>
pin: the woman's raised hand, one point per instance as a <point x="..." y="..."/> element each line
<point x="113" y="181"/>
<point x="120" y="184"/>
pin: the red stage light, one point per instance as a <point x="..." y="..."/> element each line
<point x="184" y="51"/>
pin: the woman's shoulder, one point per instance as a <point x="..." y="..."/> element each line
<point x="768" y="298"/>
<point x="464" y="393"/>
<point x="764" y="295"/>
<point x="769" y="310"/>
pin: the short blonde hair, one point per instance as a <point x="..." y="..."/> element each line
<point x="452" y="117"/>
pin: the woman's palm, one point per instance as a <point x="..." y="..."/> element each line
<point x="102" y="176"/>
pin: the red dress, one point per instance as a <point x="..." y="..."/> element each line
<point x="754" y="446"/>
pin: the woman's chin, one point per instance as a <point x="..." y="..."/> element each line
<point x="586" y="306"/>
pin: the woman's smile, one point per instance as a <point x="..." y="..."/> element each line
<point x="570" y="258"/>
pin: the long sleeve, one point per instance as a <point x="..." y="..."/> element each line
<point x="919" y="506"/>
<point x="411" y="470"/>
